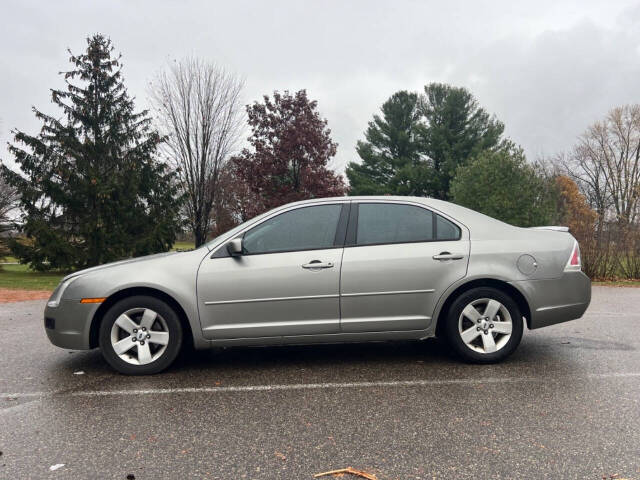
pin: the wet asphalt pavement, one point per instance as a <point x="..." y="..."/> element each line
<point x="565" y="405"/>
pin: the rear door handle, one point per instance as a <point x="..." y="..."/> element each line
<point x="448" y="256"/>
<point x="317" y="265"/>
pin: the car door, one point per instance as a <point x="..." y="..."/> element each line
<point x="286" y="282"/>
<point x="398" y="260"/>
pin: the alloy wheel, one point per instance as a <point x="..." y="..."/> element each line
<point x="485" y="325"/>
<point x="139" y="336"/>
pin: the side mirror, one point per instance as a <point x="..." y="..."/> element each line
<point x="234" y="247"/>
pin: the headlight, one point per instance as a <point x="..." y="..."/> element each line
<point x="54" y="301"/>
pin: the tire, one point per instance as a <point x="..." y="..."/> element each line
<point x="157" y="331"/>
<point x="482" y="336"/>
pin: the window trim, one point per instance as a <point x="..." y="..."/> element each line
<point x="220" y="249"/>
<point x="352" y="229"/>
<point x="338" y="242"/>
<point x="343" y="224"/>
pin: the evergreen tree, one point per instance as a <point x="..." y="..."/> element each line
<point x="455" y="129"/>
<point x="92" y="190"/>
<point x="418" y="143"/>
<point x="391" y="159"/>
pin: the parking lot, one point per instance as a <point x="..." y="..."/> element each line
<point x="566" y="405"/>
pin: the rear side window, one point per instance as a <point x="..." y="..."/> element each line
<point x="397" y="223"/>
<point x="445" y="230"/>
<point x="307" y="228"/>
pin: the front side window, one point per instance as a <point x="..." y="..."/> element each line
<point x="307" y="228"/>
<point x="380" y="223"/>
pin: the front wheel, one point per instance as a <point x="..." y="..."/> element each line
<point x="140" y="335"/>
<point x="484" y="325"/>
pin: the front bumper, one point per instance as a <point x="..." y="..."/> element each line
<point x="69" y="324"/>
<point x="556" y="300"/>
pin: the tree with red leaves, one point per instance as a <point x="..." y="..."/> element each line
<point x="291" y="148"/>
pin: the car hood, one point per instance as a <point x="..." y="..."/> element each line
<point x="146" y="258"/>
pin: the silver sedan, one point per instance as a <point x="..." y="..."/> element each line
<point x="346" y="269"/>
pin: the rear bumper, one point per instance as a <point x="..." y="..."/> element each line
<point x="69" y="324"/>
<point x="556" y="300"/>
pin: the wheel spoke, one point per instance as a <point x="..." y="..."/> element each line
<point x="489" y="343"/>
<point x="125" y="323"/>
<point x="492" y="308"/>
<point x="123" y="345"/>
<point x="502" y="327"/>
<point x="144" y="354"/>
<point x="471" y="313"/>
<point x="148" y="317"/>
<point x="161" y="338"/>
<point x="470" y="334"/>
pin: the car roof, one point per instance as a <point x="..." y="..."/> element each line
<point x="473" y="220"/>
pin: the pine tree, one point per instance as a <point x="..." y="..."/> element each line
<point x="391" y="158"/>
<point x="91" y="189"/>
<point x="419" y="142"/>
<point x="455" y="130"/>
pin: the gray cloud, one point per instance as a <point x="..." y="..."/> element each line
<point x="546" y="68"/>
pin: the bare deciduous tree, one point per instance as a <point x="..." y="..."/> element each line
<point x="606" y="164"/>
<point x="233" y="201"/>
<point x="8" y="204"/>
<point x="198" y="109"/>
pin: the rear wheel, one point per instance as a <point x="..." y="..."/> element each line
<point x="140" y="335"/>
<point x="484" y="325"/>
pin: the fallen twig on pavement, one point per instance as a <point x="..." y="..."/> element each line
<point x="352" y="471"/>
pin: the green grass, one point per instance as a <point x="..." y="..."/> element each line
<point x="21" y="278"/>
<point x="183" y="246"/>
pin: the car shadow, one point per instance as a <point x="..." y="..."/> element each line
<point x="372" y="361"/>
<point x="318" y="355"/>
<point x="402" y="358"/>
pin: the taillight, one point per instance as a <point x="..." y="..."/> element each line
<point x="574" y="262"/>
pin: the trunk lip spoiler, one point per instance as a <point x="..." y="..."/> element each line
<point x="555" y="228"/>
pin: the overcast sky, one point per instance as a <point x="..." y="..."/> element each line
<point x="547" y="69"/>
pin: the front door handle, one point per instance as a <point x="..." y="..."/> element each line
<point x="448" y="256"/>
<point x="317" y="265"/>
